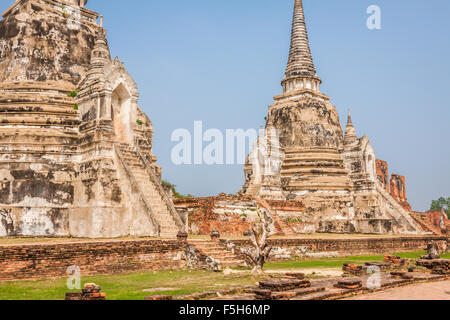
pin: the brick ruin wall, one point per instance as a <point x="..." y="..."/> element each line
<point x="207" y="214"/>
<point x="322" y="248"/>
<point x="438" y="219"/>
<point x="433" y="221"/>
<point x="52" y="260"/>
<point x="383" y="174"/>
<point x="398" y="191"/>
<point x="395" y="186"/>
<point x="234" y="215"/>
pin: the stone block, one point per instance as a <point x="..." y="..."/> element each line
<point x="351" y="283"/>
<point x="283" y="284"/>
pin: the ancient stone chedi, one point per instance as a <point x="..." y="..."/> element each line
<point x="75" y="149"/>
<point x="304" y="155"/>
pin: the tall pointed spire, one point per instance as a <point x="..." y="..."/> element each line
<point x="300" y="65"/>
<point x="300" y="58"/>
<point x="349" y="119"/>
<point x="350" y="131"/>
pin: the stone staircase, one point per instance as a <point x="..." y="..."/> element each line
<point x="280" y="224"/>
<point x="287" y="230"/>
<point x="153" y="195"/>
<point x="400" y="214"/>
<point x="215" y="250"/>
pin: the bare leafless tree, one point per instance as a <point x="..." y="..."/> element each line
<point x="259" y="254"/>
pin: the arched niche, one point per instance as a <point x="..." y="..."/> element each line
<point x="121" y="113"/>
<point x="370" y="160"/>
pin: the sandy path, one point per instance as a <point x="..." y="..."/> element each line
<point x="424" y="291"/>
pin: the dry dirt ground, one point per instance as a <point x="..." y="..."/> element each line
<point x="424" y="291"/>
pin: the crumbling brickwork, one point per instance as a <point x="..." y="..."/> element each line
<point x="52" y="260"/>
<point x="234" y="215"/>
<point x="108" y="257"/>
<point x="383" y="174"/>
<point x="436" y="222"/>
<point x="395" y="186"/>
<point x="398" y="191"/>
<point x="289" y="248"/>
<point x="224" y="213"/>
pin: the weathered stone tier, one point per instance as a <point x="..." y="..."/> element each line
<point x="333" y="174"/>
<point x="313" y="169"/>
<point x="67" y="111"/>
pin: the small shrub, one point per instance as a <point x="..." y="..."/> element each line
<point x="73" y="94"/>
<point x="176" y="194"/>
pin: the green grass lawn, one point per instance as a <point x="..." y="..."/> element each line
<point x="127" y="286"/>
<point x="338" y="262"/>
<point x="131" y="286"/>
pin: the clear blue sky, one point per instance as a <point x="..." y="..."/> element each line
<point x="222" y="62"/>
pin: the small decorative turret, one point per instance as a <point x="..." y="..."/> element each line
<point x="100" y="55"/>
<point x="300" y="71"/>
<point x="350" y="131"/>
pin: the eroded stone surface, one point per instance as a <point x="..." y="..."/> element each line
<point x="304" y="155"/>
<point x="75" y="149"/>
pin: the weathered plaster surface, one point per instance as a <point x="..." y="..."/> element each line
<point x="72" y="137"/>
<point x="334" y="174"/>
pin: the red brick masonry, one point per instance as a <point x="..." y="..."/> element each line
<point x="398" y="191"/>
<point x="51" y="260"/>
<point x="357" y="245"/>
<point x="396" y="186"/>
<point x="202" y="215"/>
<point x="383" y="174"/>
<point x="433" y="221"/>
